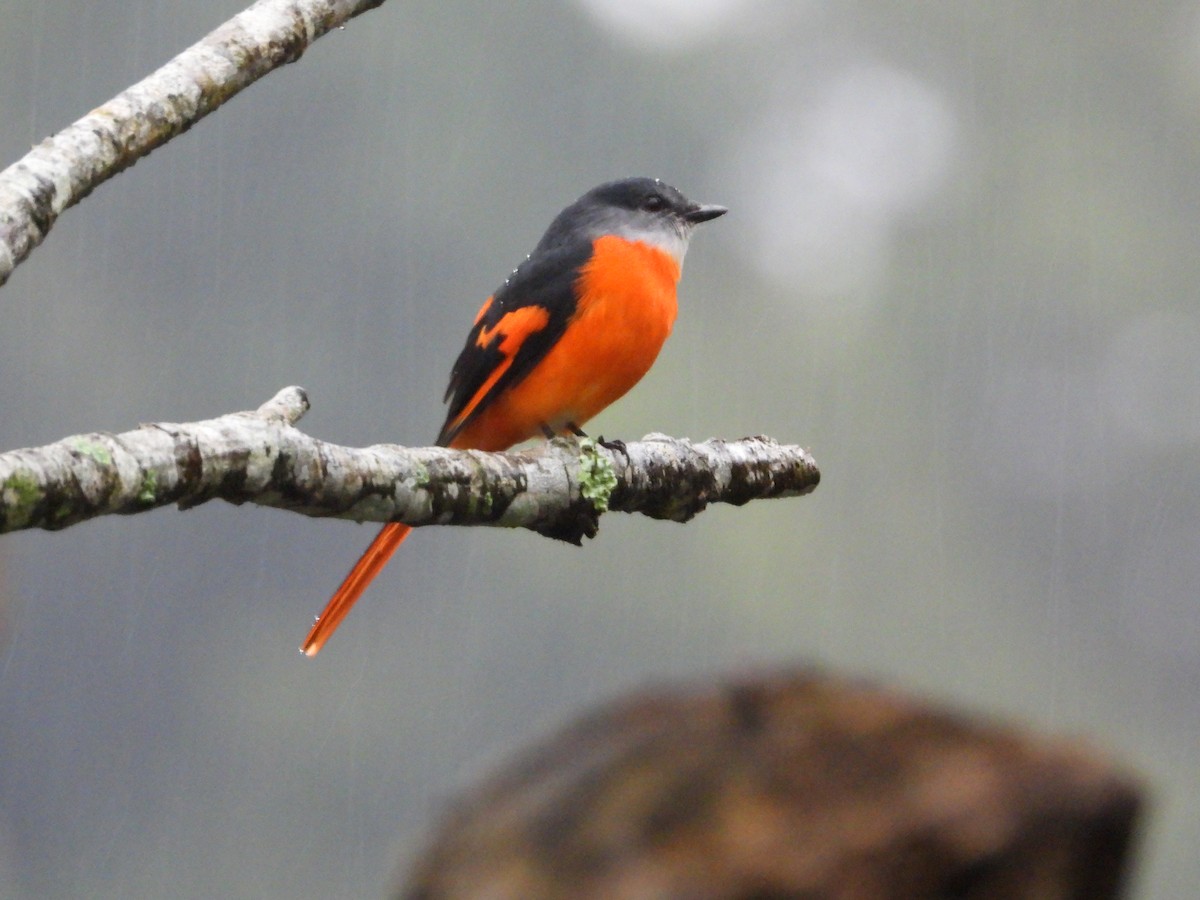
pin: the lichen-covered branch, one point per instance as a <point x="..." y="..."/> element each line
<point x="65" y="168"/>
<point x="559" y="488"/>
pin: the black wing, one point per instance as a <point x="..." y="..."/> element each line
<point x="547" y="281"/>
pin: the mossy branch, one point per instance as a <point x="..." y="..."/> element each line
<point x="559" y="488"/>
<point x="66" y="167"/>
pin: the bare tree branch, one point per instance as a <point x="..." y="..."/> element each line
<point x="65" y="168"/>
<point x="260" y="456"/>
<point x="558" y="489"/>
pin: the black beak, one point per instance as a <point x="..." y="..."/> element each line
<point x="703" y="212"/>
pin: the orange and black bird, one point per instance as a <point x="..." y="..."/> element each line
<point x="574" y="327"/>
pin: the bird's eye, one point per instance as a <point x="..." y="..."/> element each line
<point x="654" y="203"/>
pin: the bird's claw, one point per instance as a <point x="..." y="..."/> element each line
<point x="615" y="446"/>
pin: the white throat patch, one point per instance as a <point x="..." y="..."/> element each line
<point x="661" y="235"/>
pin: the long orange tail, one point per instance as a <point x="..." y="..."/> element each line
<point x="368" y="566"/>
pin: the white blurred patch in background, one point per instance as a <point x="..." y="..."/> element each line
<point x="671" y="24"/>
<point x="832" y="174"/>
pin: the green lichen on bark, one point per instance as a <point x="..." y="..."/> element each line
<point x="479" y="503"/>
<point x="596" y="476"/>
<point x="22" y="493"/>
<point x="149" y="489"/>
<point x="93" y="450"/>
<point x="420" y="478"/>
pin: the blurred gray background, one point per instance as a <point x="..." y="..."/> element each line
<point x="960" y="265"/>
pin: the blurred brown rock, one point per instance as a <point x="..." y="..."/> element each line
<point x="788" y="786"/>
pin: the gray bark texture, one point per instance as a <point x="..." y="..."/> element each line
<point x="559" y="488"/>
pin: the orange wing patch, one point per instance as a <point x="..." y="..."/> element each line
<point x="511" y="330"/>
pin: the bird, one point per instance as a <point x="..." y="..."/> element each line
<point x="572" y="329"/>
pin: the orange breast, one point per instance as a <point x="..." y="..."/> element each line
<point x="625" y="312"/>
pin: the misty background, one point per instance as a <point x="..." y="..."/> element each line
<point x="960" y="266"/>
